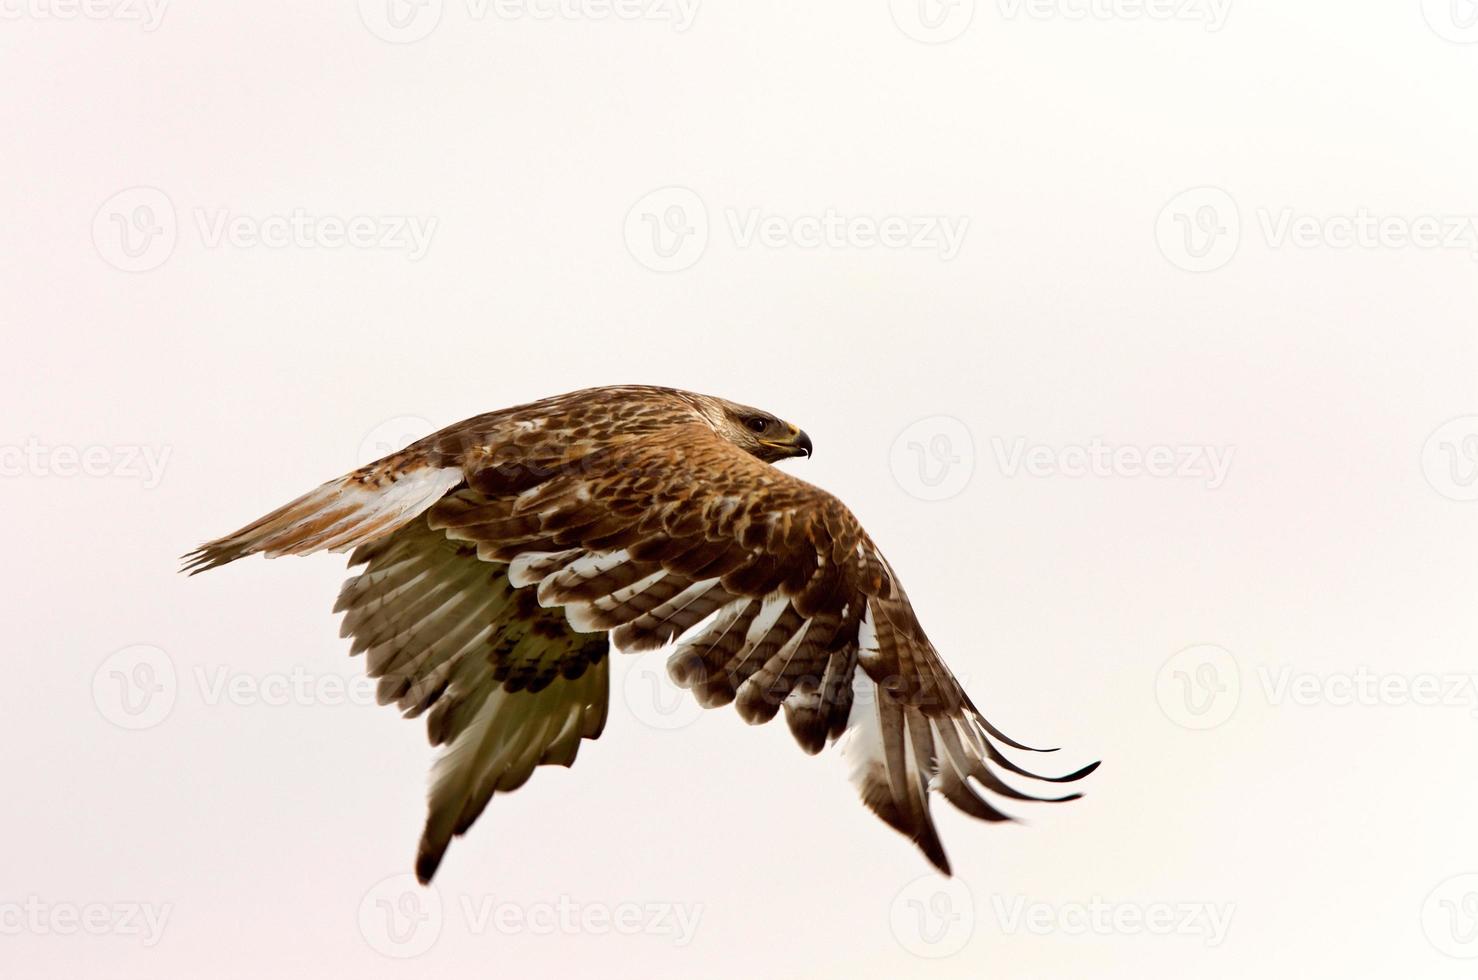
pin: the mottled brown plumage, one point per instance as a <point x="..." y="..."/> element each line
<point x="499" y="552"/>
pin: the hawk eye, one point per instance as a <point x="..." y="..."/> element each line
<point x="757" y="424"/>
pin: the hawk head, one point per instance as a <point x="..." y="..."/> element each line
<point x="754" y="430"/>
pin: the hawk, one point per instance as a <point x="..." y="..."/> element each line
<point x="502" y="557"/>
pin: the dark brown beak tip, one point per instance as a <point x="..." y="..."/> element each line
<point x="803" y="445"/>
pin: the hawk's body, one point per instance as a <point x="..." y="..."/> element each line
<point x="500" y="552"/>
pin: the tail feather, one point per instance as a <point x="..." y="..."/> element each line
<point x="339" y="515"/>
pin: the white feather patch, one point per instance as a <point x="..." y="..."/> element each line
<point x="770" y="612"/>
<point x="861" y="744"/>
<point x="867" y="641"/>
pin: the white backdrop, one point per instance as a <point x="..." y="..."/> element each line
<point x="1140" y="333"/>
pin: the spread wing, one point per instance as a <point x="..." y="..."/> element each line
<point x="774" y="597"/>
<point x="499" y="553"/>
<point x="508" y="685"/>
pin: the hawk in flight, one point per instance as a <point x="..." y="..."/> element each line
<point x="502" y="557"/>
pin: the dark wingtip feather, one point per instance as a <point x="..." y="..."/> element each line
<point x="934" y="851"/>
<point x="995" y="756"/>
<point x="807" y="724"/>
<point x="428" y="859"/>
<point x="1074" y="776"/>
<point x="1000" y="736"/>
<point x="1071" y="777"/>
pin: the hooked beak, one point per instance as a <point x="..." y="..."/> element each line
<point x="802" y="444"/>
<point x="799" y="444"/>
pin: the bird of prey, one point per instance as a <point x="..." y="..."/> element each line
<point x="503" y="556"/>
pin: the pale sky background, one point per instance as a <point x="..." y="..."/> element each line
<point x="964" y="247"/>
